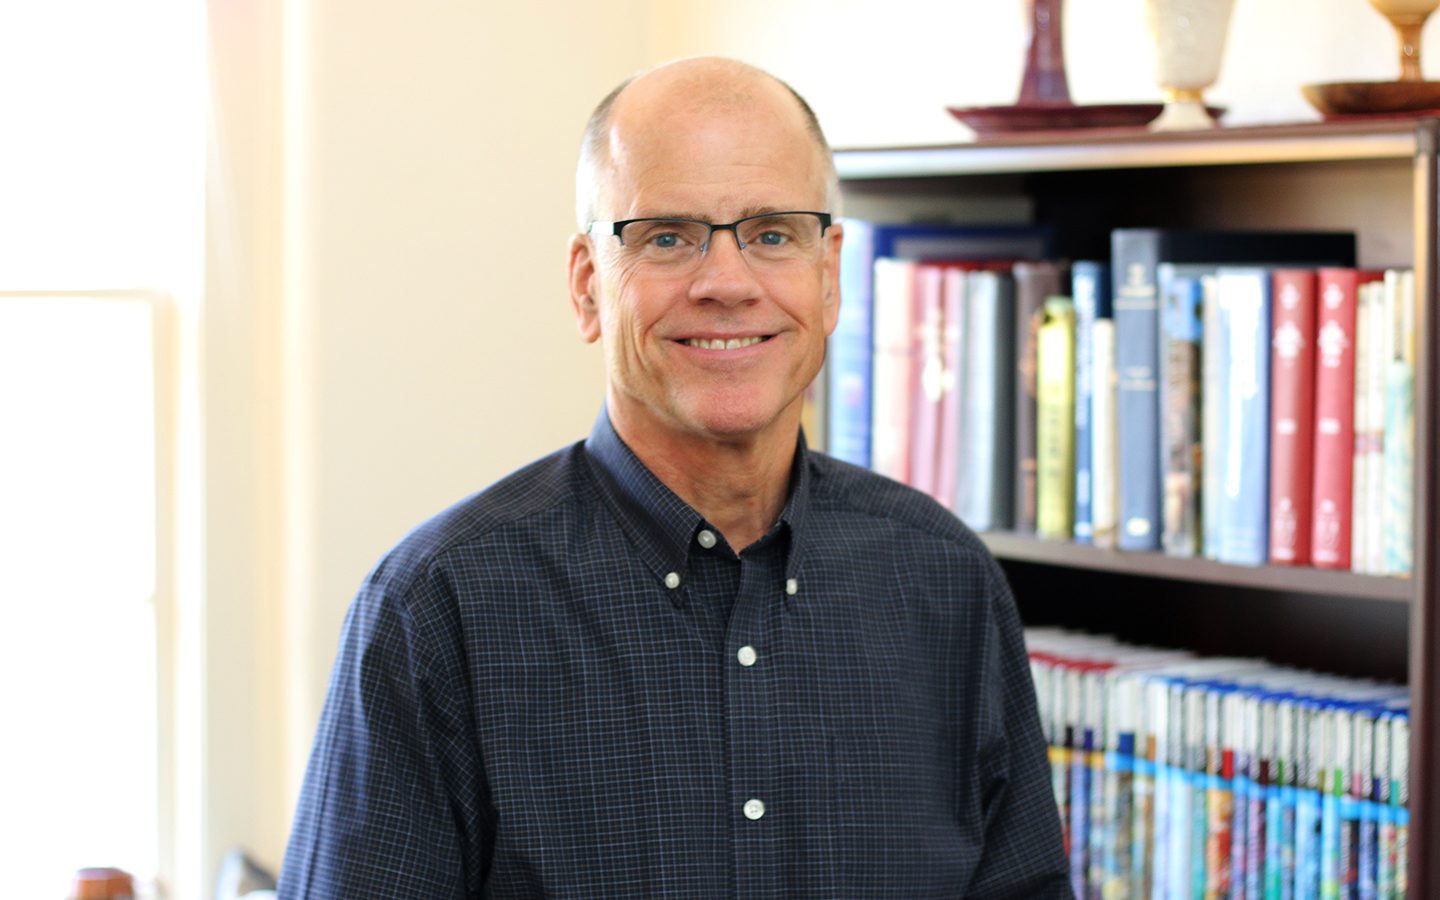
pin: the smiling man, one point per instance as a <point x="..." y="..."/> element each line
<point x="687" y="656"/>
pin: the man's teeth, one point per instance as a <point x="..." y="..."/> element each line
<point x="723" y="343"/>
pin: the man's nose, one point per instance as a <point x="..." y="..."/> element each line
<point x="724" y="273"/>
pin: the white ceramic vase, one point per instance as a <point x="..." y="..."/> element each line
<point x="1189" y="38"/>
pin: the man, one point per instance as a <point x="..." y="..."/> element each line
<point x="687" y="657"/>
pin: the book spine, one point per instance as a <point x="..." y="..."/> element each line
<point x="926" y="377"/>
<point x="1292" y="427"/>
<point x="1244" y="296"/>
<point x="848" y="368"/>
<point x="1034" y="281"/>
<point x="1180" y="323"/>
<point x="1334" y="417"/>
<point x="1381" y="314"/>
<point x="1215" y="381"/>
<point x="892" y="369"/>
<point x="952" y="384"/>
<point x="985" y="494"/>
<point x="1364" y="431"/>
<point x="1055" y="423"/>
<point x="1134" y="255"/>
<point x="1104" y="437"/>
<point x="1399" y="435"/>
<point x="1090" y="287"/>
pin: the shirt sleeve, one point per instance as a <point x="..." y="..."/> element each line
<point x="1024" y="853"/>
<point x="393" y="798"/>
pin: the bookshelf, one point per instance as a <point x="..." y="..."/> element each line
<point x="1377" y="178"/>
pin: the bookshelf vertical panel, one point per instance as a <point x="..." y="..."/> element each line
<point x="1424" y="634"/>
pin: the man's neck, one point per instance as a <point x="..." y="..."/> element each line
<point x="739" y="485"/>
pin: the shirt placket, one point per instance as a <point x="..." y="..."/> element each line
<point x="752" y="742"/>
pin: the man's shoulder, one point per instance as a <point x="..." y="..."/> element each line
<point x="554" y="485"/>
<point x="843" y="488"/>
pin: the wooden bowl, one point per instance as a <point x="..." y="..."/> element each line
<point x="1346" y="98"/>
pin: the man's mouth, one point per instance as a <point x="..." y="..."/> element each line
<point x="724" y="343"/>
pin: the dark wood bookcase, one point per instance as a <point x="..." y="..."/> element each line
<point x="1377" y="178"/>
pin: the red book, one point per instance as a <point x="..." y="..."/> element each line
<point x="1334" y="446"/>
<point x="927" y="373"/>
<point x="1292" y="415"/>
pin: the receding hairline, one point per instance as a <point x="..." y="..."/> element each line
<point x="594" y="151"/>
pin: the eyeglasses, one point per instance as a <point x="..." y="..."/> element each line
<point x="674" y="243"/>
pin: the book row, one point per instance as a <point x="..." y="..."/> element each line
<point x="1183" y="776"/>
<point x="1242" y="396"/>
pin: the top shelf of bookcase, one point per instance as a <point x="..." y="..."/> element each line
<point x="1130" y="148"/>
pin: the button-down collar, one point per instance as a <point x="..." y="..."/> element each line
<point x="662" y="526"/>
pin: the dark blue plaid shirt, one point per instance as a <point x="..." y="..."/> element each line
<point x="569" y="685"/>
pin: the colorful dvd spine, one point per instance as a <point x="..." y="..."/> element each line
<point x="1308" y="817"/>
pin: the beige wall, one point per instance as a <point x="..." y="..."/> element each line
<point x="388" y="327"/>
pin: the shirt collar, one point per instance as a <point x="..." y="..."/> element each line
<point x="659" y="523"/>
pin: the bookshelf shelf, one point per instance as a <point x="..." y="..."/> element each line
<point x="1378" y="178"/>
<point x="1030" y="549"/>
<point x="1133" y="148"/>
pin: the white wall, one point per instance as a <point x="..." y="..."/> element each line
<point x="400" y="336"/>
<point x="881" y="73"/>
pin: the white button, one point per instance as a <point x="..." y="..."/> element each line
<point x="706" y="538"/>
<point x="754" y="809"/>
<point x="792" y="587"/>
<point x="672" y="581"/>
<point x="746" y="655"/>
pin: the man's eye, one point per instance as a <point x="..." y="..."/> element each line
<point x="773" y="238"/>
<point x="667" y="241"/>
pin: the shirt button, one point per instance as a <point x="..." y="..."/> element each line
<point x="747" y="656"/>
<point x="792" y="587"/>
<point x="754" y="809"/>
<point x="706" y="538"/>
<point x="672" y="580"/>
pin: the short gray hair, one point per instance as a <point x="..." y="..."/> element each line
<point x="592" y="151"/>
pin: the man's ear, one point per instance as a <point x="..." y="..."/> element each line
<point x="584" y="283"/>
<point x="834" y="236"/>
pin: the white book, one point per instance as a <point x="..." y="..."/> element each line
<point x="1359" y="491"/>
<point x="1213" y="385"/>
<point x="1104" y="436"/>
<point x="890" y="369"/>
<point x="1381" y="315"/>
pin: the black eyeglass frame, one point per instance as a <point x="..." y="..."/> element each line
<point x="616" y="227"/>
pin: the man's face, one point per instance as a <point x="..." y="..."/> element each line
<point x="717" y="166"/>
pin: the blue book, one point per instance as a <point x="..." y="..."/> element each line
<point x="1243" y="295"/>
<point x="848" y="384"/>
<point x="1135" y="253"/>
<point x="1090" y="287"/>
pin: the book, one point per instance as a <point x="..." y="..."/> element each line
<point x="1398" y="537"/>
<point x="952" y="383"/>
<point x="1292" y="423"/>
<point x="1182" y="296"/>
<point x="1334" y="445"/>
<point x="1055" y="422"/>
<point x="927" y="376"/>
<point x="1034" y="282"/>
<point x="1090" y="291"/>
<point x="1135" y="253"/>
<point x="1243" y="295"/>
<point x="892" y="368"/>
<point x="1104" y="436"/>
<point x="985" y="496"/>
<point x="851" y="346"/>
